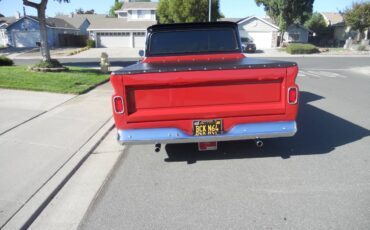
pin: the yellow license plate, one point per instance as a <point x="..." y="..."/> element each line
<point x="207" y="127"/>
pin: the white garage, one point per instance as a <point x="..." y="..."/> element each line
<point x="139" y="39"/>
<point x="113" y="39"/>
<point x="262" y="32"/>
<point x="26" y="38"/>
<point x="263" y="40"/>
<point x="119" y="32"/>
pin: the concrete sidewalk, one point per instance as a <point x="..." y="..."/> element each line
<point x="68" y="208"/>
<point x="19" y="106"/>
<point x="32" y="153"/>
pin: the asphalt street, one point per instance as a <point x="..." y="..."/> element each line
<point x="319" y="179"/>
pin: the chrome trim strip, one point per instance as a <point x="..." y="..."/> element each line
<point x="238" y="132"/>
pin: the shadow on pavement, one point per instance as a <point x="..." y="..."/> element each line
<point x="319" y="132"/>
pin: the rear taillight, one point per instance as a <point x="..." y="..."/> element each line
<point x="292" y="95"/>
<point x="118" y="105"/>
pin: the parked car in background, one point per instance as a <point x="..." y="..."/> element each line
<point x="248" y="46"/>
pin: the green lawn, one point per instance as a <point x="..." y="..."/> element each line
<point x="76" y="80"/>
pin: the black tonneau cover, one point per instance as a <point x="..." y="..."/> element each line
<point x="196" y="65"/>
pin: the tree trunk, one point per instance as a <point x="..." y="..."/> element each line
<point x="45" y="52"/>
<point x="282" y="38"/>
<point x="41" y="8"/>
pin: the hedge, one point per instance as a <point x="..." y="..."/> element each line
<point x="90" y="43"/>
<point x="300" y="48"/>
<point x="4" y="61"/>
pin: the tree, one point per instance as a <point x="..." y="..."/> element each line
<point x="41" y="8"/>
<point x="287" y="12"/>
<point x="2" y="15"/>
<point x="81" y="11"/>
<point x="175" y="11"/>
<point x="117" y="6"/>
<point x="323" y="32"/>
<point x="358" y="17"/>
<point x="316" y="23"/>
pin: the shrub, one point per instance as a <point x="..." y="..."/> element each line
<point x="300" y="48"/>
<point x="361" y="48"/>
<point x="4" y="61"/>
<point x="90" y="43"/>
<point x="53" y="63"/>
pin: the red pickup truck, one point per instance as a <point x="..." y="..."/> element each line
<point x="195" y="85"/>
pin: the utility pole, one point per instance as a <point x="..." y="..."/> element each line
<point x="209" y="10"/>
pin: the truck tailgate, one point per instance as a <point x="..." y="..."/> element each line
<point x="204" y="94"/>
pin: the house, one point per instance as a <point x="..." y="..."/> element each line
<point x="128" y="29"/>
<point x="25" y="31"/>
<point x="138" y="11"/>
<point x="297" y="33"/>
<point x="336" y="21"/>
<point x="265" y="34"/>
<point x="79" y="22"/>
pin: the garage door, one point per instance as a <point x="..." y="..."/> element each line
<point x="139" y="39"/>
<point x="262" y="40"/>
<point x="26" y="39"/>
<point x="114" y="39"/>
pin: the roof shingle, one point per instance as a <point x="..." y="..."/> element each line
<point x="333" y="18"/>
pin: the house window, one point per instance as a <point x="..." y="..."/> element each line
<point x="294" y="36"/>
<point x="140" y="14"/>
<point x="139" y="34"/>
<point x="123" y="14"/>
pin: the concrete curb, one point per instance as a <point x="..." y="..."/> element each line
<point x="36" y="204"/>
<point x="72" y="203"/>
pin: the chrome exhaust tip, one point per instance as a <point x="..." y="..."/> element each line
<point x="259" y="143"/>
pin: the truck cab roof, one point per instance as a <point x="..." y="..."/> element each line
<point x="197" y="25"/>
<point x="192" y="39"/>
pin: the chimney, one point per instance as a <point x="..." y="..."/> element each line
<point x="17" y="15"/>
<point x="24" y="11"/>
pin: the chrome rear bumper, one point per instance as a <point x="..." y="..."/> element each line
<point x="238" y="132"/>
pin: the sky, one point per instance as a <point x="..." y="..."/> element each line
<point x="230" y="8"/>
